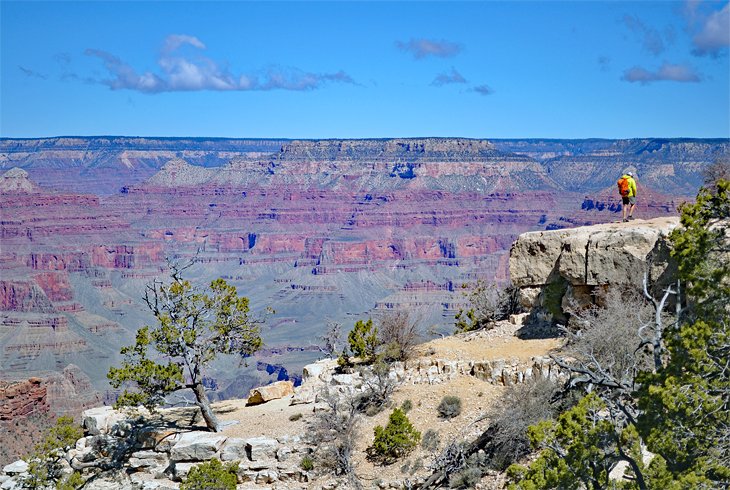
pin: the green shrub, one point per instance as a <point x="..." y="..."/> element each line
<point x="211" y="475"/>
<point x="363" y="340"/>
<point x="406" y="406"/>
<point x="295" y="417"/>
<point x="307" y="464"/>
<point x="397" y="439"/>
<point x="449" y="407"/>
<point x="45" y="467"/>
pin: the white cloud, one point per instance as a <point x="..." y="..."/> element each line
<point x="666" y="72"/>
<point x="424" y="48"/>
<point x="713" y="36"/>
<point x="182" y="73"/>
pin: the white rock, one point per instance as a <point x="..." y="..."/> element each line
<point x="16" y="468"/>
<point x="260" y="448"/>
<point x="234" y="448"/>
<point x="100" y="420"/>
<point x="266" y="476"/>
<point x="196" y="446"/>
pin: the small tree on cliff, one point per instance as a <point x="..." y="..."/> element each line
<point x="193" y="328"/>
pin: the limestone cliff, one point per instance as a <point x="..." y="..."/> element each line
<point x="552" y="268"/>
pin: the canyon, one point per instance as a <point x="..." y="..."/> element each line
<point x="320" y="231"/>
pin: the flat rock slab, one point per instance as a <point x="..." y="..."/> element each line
<point x="16" y="468"/>
<point x="196" y="446"/>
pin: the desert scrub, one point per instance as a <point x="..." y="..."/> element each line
<point x="406" y="406"/>
<point x="211" y="475"/>
<point x="449" y="407"/>
<point x="307" y="463"/>
<point x="431" y="440"/>
<point x="395" y="440"/>
<point x="295" y="417"/>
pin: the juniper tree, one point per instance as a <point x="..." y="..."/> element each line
<point x="193" y="328"/>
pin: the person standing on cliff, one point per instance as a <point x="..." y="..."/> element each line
<point x="627" y="189"/>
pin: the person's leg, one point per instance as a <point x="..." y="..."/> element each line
<point x="624" y="204"/>
<point x="632" y="200"/>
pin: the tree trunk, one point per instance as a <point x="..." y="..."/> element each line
<point x="204" y="404"/>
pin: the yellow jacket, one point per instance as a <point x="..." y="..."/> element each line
<point x="632" y="185"/>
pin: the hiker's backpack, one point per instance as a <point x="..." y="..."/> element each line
<point x="623" y="187"/>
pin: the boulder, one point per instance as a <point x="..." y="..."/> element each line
<point x="100" y="420"/>
<point x="196" y="446"/>
<point x="261" y="448"/>
<point x="561" y="267"/>
<point x="16" y="468"/>
<point x="274" y="391"/>
<point x="150" y="461"/>
<point x="234" y="448"/>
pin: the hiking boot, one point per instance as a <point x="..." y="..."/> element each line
<point x="631" y="218"/>
<point x="626" y="220"/>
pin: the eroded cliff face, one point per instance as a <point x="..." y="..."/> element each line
<point x="334" y="230"/>
<point x="30" y="404"/>
<point x="556" y="268"/>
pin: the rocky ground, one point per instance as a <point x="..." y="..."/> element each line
<point x="269" y="439"/>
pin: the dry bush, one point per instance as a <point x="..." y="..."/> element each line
<point x="605" y="337"/>
<point x="378" y="387"/>
<point x="398" y="334"/>
<point x="332" y="341"/>
<point x="449" y="407"/>
<point x="488" y="304"/>
<point x="334" y="433"/>
<point x="716" y="171"/>
<point x="521" y="406"/>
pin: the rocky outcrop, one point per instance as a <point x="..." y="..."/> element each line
<point x="274" y="391"/>
<point x="36" y="401"/>
<point x="553" y="268"/>
<point x="16" y="180"/>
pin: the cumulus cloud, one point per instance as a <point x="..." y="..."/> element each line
<point x="184" y="73"/>
<point x="712" y="34"/>
<point x="483" y="90"/>
<point x="448" y="78"/>
<point x="32" y="73"/>
<point x="666" y="72"/>
<point x="423" y="48"/>
<point x="651" y="38"/>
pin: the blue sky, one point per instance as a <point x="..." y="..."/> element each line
<point x="365" y="69"/>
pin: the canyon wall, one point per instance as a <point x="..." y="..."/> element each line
<point x="321" y="231"/>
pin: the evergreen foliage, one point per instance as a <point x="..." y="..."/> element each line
<point x="193" y="328"/>
<point x="363" y="340"/>
<point x="211" y="475"/>
<point x="680" y="404"/>
<point x="397" y="439"/>
<point x="686" y="405"/>
<point x="45" y="467"/>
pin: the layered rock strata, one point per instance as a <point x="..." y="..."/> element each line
<point x="557" y="268"/>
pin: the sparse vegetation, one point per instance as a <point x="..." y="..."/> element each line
<point x="378" y="388"/>
<point x="334" y="432"/>
<point x="211" y="475"/>
<point x="397" y="335"/>
<point x="395" y="440"/>
<point x="46" y="464"/>
<point x="431" y="440"/>
<point x="449" y="407"/>
<point x="521" y="406"/>
<point x="307" y="463"/>
<point x="406" y="406"/>
<point x="295" y="417"/>
<point x="487" y="304"/>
